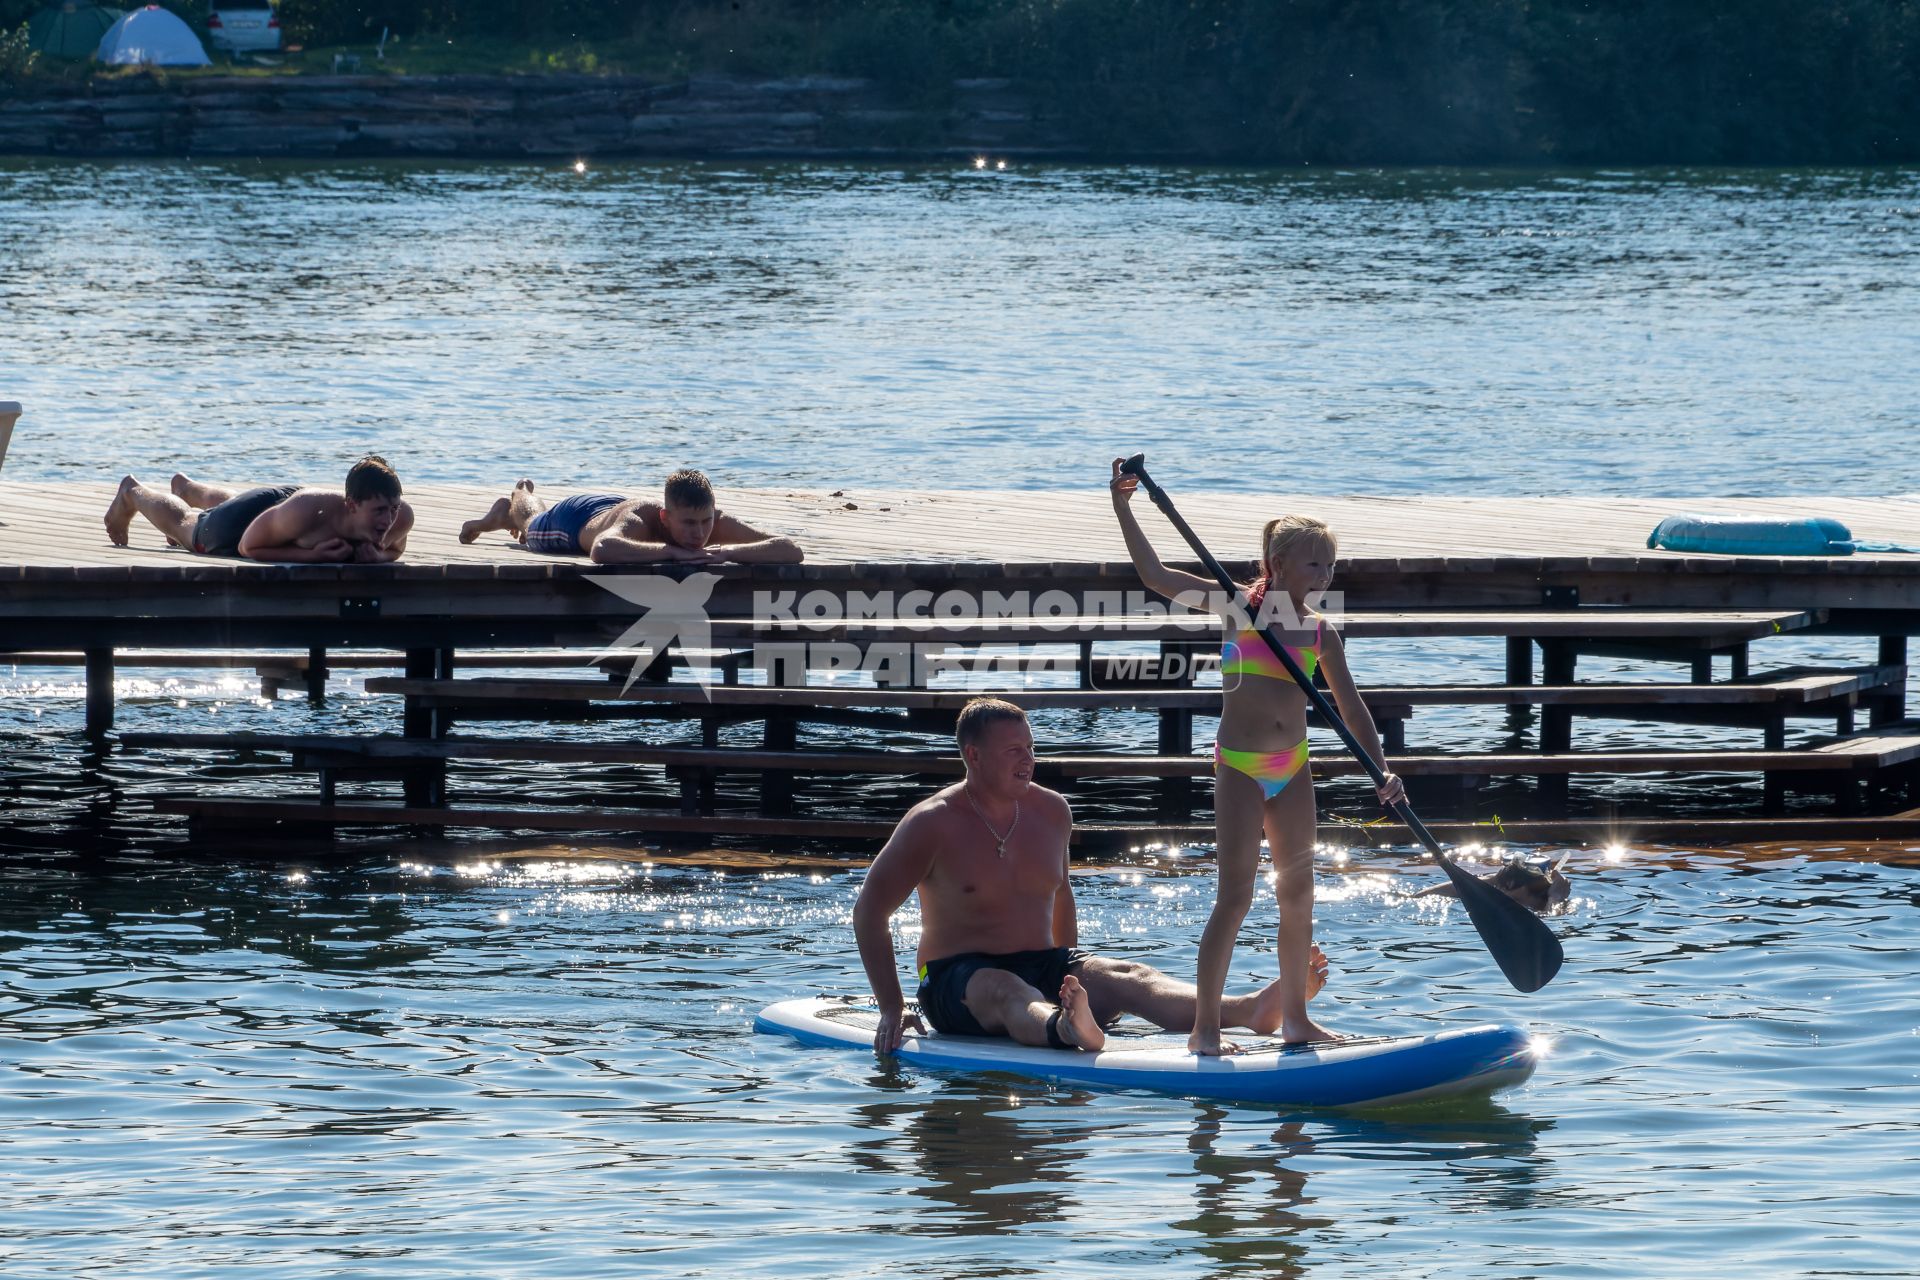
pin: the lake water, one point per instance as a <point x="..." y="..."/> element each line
<point x="1436" y="331"/>
<point x="518" y="1069"/>
<point x="389" y="1060"/>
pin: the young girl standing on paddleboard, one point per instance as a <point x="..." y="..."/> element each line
<point x="1261" y="781"/>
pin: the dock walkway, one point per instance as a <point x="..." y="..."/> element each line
<point x="1555" y="578"/>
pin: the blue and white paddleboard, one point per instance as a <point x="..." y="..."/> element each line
<point x="1469" y="1061"/>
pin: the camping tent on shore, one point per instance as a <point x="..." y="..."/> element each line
<point x="151" y="37"/>
<point x="71" y="29"/>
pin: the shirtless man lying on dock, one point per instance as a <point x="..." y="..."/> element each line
<point x="998" y="950"/>
<point x="685" y="528"/>
<point x="277" y="524"/>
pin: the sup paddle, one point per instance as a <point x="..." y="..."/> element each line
<point x="1520" y="942"/>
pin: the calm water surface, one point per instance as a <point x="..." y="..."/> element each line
<point x="1642" y="332"/>
<point x="547" y="1070"/>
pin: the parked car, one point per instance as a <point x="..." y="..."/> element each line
<point x="242" y="26"/>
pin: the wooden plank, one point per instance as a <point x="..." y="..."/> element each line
<point x="1863" y="752"/>
<point x="1799" y="690"/>
<point x="1598" y="832"/>
<point x="774" y="697"/>
<point x="1712" y="627"/>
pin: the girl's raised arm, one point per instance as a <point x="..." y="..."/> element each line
<point x="1146" y="561"/>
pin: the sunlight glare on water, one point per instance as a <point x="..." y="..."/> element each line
<point x="547" y="1061"/>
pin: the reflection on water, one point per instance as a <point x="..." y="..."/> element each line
<point x="983" y="1163"/>
<point x="400" y="1065"/>
<point x="1250" y="1211"/>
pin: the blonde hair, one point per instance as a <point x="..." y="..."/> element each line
<point x="1282" y="535"/>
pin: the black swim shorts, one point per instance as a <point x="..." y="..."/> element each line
<point x="217" y="531"/>
<point x="943" y="983"/>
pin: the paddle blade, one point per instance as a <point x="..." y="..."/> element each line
<point x="1519" y="941"/>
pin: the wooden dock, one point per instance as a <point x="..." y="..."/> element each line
<point x="1546" y="579"/>
<point x="859" y="526"/>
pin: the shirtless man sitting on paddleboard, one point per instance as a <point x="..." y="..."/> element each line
<point x="998" y="948"/>
<point x="685" y="528"/>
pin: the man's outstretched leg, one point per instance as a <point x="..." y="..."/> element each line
<point x="1001" y="1002"/>
<point x="169" y="514"/>
<point x="198" y="493"/>
<point x="1117" y="987"/>
<point x="510" y="513"/>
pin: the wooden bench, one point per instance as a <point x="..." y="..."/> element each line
<point x="1692" y="636"/>
<point x="1766" y="701"/>
<point x="1834" y="765"/>
<point x="1701" y="629"/>
<point x="247" y="818"/>
<point x="309" y="670"/>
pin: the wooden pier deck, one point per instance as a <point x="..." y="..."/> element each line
<point x="1557" y="576"/>
<point x="56" y="525"/>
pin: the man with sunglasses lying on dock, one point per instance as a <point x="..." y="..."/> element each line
<point x="685" y="528"/>
<point x="275" y="524"/>
<point x="998" y="952"/>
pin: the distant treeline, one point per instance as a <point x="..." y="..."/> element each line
<point x="1322" y="81"/>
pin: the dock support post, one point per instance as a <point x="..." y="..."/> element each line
<point x="710" y="739"/>
<point x="1892" y="708"/>
<point x="1519" y="660"/>
<point x="1776" y="731"/>
<point x="1176" y="739"/>
<point x="316" y="677"/>
<point x="1519" y="672"/>
<point x="426" y="787"/>
<point x="99" y="692"/>
<point x="776" y="785"/>
<point x="1774" y="796"/>
<point x="1558" y="660"/>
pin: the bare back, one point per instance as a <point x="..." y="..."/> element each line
<point x="306" y="520"/>
<point x="644" y="520"/>
<point x="629" y="519"/>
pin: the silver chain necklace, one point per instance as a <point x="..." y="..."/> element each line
<point x="999" y="841"/>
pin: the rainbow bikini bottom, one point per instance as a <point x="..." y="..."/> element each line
<point x="1273" y="770"/>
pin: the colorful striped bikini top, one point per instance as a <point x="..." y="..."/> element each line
<point x="1248" y="654"/>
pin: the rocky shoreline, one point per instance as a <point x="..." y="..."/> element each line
<point x="499" y="117"/>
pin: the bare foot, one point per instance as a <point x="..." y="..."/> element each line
<point x="1266" y="1006"/>
<point x="180" y="483"/>
<point x="496" y="518"/>
<point x="524" y="483"/>
<point x="1304" y="1030"/>
<point x="1208" y="1044"/>
<point x="1077" y="1026"/>
<point x="120" y="512"/>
